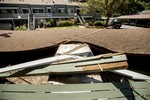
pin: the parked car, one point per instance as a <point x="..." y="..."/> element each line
<point x="114" y="23"/>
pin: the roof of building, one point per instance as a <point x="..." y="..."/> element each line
<point x="144" y="12"/>
<point x="122" y="40"/>
<point x="142" y="16"/>
<point x="41" y="2"/>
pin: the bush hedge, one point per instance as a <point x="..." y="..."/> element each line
<point x="21" y="27"/>
<point x="99" y="23"/>
<point x="65" y="23"/>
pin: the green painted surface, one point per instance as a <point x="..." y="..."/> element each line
<point x="112" y="91"/>
<point x="65" y="68"/>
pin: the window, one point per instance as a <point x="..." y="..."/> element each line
<point x="3" y="11"/>
<point x="8" y="10"/>
<point x="25" y="10"/>
<point x="38" y="10"/>
<point x="70" y="10"/>
<point x="61" y="10"/>
<point x="77" y="10"/>
<point x="49" y="9"/>
<point x="15" y="11"/>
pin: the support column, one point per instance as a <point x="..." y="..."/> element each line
<point x="34" y="21"/>
<point x="28" y="22"/>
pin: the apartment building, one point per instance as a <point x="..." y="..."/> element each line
<point x="32" y="12"/>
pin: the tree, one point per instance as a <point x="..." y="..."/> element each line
<point x="90" y="6"/>
<point x="147" y="6"/>
<point x="110" y="7"/>
<point x="106" y="7"/>
<point x="132" y="7"/>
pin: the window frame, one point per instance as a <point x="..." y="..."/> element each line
<point x="61" y="10"/>
<point x="50" y="9"/>
<point x="25" y="8"/>
<point x="11" y="10"/>
<point x="71" y="9"/>
<point x="38" y="8"/>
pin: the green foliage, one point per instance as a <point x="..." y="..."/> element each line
<point x="22" y="27"/>
<point x="106" y="7"/>
<point x="99" y="23"/>
<point x="52" y="22"/>
<point x="74" y="20"/>
<point x="48" y="23"/>
<point x="90" y="7"/>
<point x="90" y="23"/>
<point x="131" y="7"/>
<point x="147" y="6"/>
<point x="77" y="0"/>
<point x="64" y="23"/>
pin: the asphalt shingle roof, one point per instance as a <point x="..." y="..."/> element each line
<point x="118" y="40"/>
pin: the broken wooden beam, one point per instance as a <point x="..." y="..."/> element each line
<point x="105" y="67"/>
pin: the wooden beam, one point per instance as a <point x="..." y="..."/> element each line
<point x="104" y="67"/>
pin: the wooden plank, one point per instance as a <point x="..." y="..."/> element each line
<point x="104" y="67"/>
<point x="116" y="91"/>
<point x="102" y="60"/>
<point x="65" y="96"/>
<point x="122" y="98"/>
<point x="141" y="85"/>
<point x="141" y="92"/>
<point x="102" y="56"/>
<point x="68" y="87"/>
<point x="142" y="98"/>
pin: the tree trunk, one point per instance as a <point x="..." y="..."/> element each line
<point x="94" y="18"/>
<point x="107" y="20"/>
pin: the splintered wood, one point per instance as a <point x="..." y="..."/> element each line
<point x="108" y="66"/>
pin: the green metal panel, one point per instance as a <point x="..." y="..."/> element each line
<point x="68" y="87"/>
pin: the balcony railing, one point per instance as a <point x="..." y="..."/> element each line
<point x="41" y="15"/>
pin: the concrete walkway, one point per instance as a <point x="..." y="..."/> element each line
<point x="130" y="27"/>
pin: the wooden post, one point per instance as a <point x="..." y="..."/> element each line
<point x="28" y="22"/>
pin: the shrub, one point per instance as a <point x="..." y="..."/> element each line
<point x="74" y="21"/>
<point x="21" y="27"/>
<point x="64" y="23"/>
<point x="47" y="23"/>
<point x="99" y="23"/>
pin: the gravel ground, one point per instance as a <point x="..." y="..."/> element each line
<point x="118" y="40"/>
